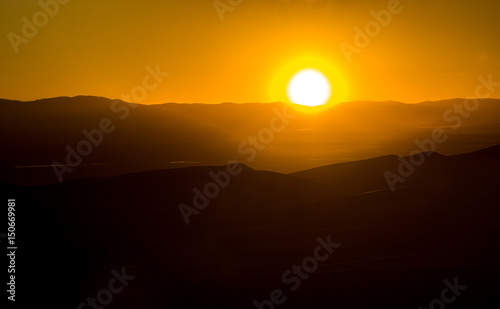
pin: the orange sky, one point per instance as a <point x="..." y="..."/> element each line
<point x="430" y="50"/>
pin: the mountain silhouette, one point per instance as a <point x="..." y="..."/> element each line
<point x="37" y="134"/>
<point x="396" y="248"/>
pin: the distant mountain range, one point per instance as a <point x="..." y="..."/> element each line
<point x="35" y="135"/>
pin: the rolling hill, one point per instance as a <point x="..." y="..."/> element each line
<point x="35" y="135"/>
<point x="396" y="248"/>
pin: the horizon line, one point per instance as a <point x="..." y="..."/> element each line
<point x="239" y="103"/>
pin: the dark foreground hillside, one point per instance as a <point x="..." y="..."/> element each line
<point x="387" y="249"/>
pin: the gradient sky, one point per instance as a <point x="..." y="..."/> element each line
<point x="433" y="49"/>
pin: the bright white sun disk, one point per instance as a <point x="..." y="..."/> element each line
<point x="309" y="87"/>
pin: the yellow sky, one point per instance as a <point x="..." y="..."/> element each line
<point x="430" y="50"/>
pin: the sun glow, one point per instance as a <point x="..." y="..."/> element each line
<point x="309" y="87"/>
<point x="309" y="83"/>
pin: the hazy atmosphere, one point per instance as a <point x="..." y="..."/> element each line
<point x="429" y="50"/>
<point x="250" y="154"/>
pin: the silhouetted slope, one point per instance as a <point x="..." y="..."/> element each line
<point x="369" y="175"/>
<point x="396" y="248"/>
<point x="352" y="177"/>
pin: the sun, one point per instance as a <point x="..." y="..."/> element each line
<point x="309" y="83"/>
<point x="309" y="87"/>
